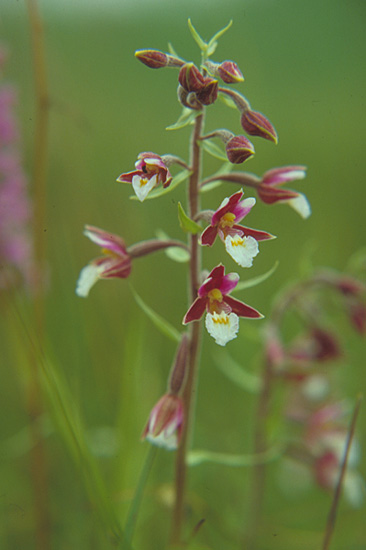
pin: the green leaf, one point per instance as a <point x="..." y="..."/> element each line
<point x="186" y="223"/>
<point x="235" y="372"/>
<point x="164" y="326"/>
<point x="171" y="50"/>
<point x="227" y="101"/>
<point x="211" y="48"/>
<point x="138" y="495"/>
<point x="175" y="253"/>
<point x="160" y="191"/>
<point x="197" y="457"/>
<point x="199" y="41"/>
<point x="218" y="35"/>
<point x="213" y="150"/>
<point x="225" y="168"/>
<point x="254" y="281"/>
<point x="187" y="117"/>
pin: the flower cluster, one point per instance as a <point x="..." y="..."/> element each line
<point x="307" y="364"/>
<point x="199" y="87"/>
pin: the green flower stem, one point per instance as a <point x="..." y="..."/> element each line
<point x="38" y="465"/>
<point x="137" y="499"/>
<point x="194" y="337"/>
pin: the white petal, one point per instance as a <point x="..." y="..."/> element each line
<point x="354" y="488"/>
<point x="301" y="205"/>
<point x="242" y="249"/>
<point x="143" y="186"/>
<point x="222" y="327"/>
<point x="168" y="441"/>
<point x="89" y="275"/>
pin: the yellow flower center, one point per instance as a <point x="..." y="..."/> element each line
<point x="238" y="241"/>
<point x="221" y="320"/>
<point x="227" y="220"/>
<point x="143" y="181"/>
<point x="215" y="295"/>
<point x="110" y="253"/>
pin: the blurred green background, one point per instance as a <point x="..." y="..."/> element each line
<point x="304" y="68"/>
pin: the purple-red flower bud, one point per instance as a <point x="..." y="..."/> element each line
<point x="190" y="78"/>
<point x="156" y="60"/>
<point x="165" y="424"/>
<point x="208" y="92"/>
<point x="239" y="149"/>
<point x="152" y="58"/>
<point x="256" y="124"/>
<point x="229" y="72"/>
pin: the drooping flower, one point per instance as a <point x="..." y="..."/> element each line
<point x="165" y="424"/>
<point x="270" y="192"/>
<point x="240" y="242"/>
<point x="151" y="170"/>
<point x="223" y="311"/>
<point x="115" y="263"/>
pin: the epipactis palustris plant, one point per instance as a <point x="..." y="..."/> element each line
<point x="199" y="88"/>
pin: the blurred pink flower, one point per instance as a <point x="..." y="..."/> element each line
<point x="16" y="253"/>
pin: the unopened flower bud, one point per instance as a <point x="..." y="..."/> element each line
<point x="190" y="78"/>
<point x="165" y="424"/>
<point x="152" y="58"/>
<point x="229" y="72"/>
<point x="156" y="60"/>
<point x="239" y="149"/>
<point x="256" y="124"/>
<point x="208" y="92"/>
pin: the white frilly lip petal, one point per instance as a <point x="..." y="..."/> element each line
<point x="143" y="186"/>
<point x="242" y="249"/>
<point x="89" y="275"/>
<point x="222" y="327"/>
<point x="301" y="205"/>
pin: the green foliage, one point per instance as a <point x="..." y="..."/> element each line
<point x="188" y="225"/>
<point x="161" y="324"/>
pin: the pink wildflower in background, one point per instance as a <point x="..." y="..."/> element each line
<point x="15" y="209"/>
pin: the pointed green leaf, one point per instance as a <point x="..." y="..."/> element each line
<point x="211" y="48"/>
<point x="225" y="168"/>
<point x="235" y="372"/>
<point x="160" y="191"/>
<point x="227" y="101"/>
<point x="199" y="41"/>
<point x="187" y="117"/>
<point x="197" y="457"/>
<point x="219" y="34"/>
<point x="213" y="149"/>
<point x="175" y="253"/>
<point x="164" y="326"/>
<point x="171" y="50"/>
<point x="254" y="281"/>
<point x="186" y="223"/>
